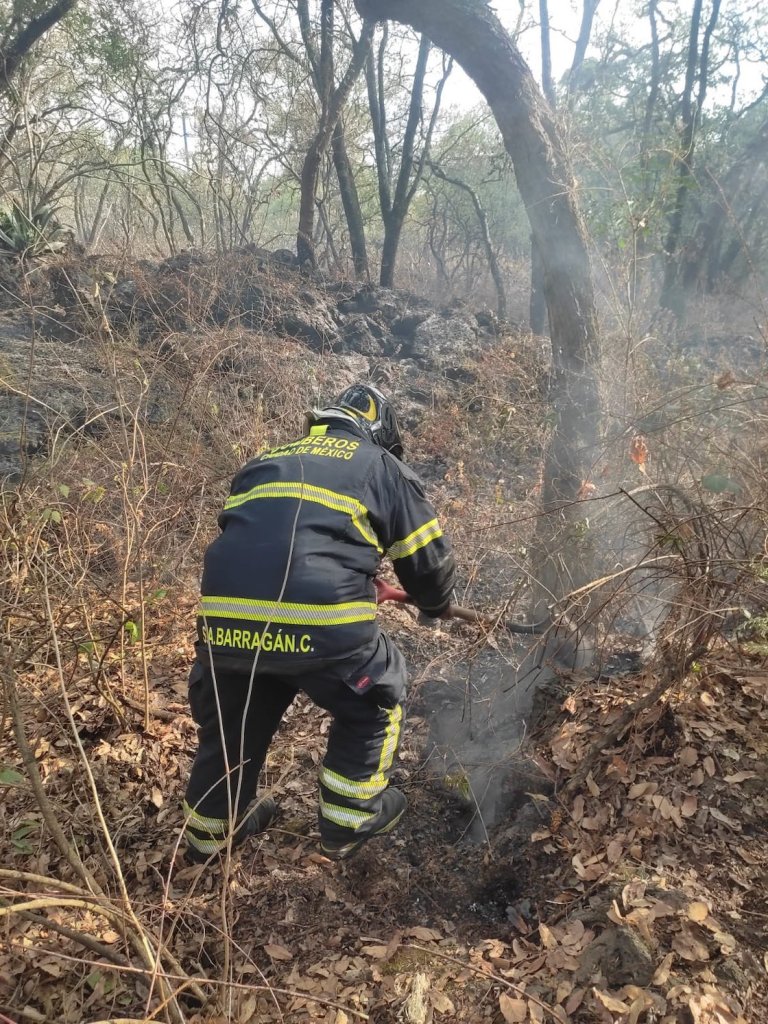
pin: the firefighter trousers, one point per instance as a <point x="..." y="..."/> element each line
<point x="237" y="716"/>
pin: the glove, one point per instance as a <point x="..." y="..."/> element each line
<point x="431" y="619"/>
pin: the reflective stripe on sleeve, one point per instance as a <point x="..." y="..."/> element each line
<point x="414" y="541"/>
<point x="287" y="612"/>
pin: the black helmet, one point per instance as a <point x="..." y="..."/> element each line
<point x="371" y="411"/>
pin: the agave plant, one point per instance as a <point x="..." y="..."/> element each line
<point x="30" y="234"/>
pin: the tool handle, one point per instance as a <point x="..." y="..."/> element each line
<point x="386" y="592"/>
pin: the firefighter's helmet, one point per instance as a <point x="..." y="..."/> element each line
<point x="370" y="410"/>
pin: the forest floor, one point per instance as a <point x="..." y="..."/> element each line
<point x="638" y="898"/>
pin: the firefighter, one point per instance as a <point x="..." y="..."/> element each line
<point x="289" y="604"/>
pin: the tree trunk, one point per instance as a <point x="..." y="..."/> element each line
<point x="547" y="85"/>
<point x="333" y="102"/>
<point x="537" y="303"/>
<point x="393" y="229"/>
<point x="588" y="12"/>
<point x="697" y="67"/>
<point x="350" y="200"/>
<point x="471" y="32"/>
<point x="17" y="48"/>
<point x="537" y="312"/>
<point x="394" y="217"/>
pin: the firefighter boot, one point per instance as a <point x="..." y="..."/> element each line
<point x="393" y="805"/>
<point x="257" y="818"/>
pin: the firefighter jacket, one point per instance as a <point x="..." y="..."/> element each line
<point x="290" y="576"/>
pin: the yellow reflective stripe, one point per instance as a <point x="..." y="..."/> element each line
<point x="358" y="790"/>
<point x="305" y="492"/>
<point x="365" y="789"/>
<point x="390" y="738"/>
<point x="361" y="523"/>
<point x="204" y="845"/>
<point x="287" y="612"/>
<point x="216" y="826"/>
<point x="319" y="495"/>
<point x="418" y="539"/>
<point x="345" y="816"/>
<point x="319" y="430"/>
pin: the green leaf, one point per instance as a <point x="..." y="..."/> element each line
<point x="94" y="492"/>
<point x="64" y="490"/>
<point x="718" y="483"/>
<point x="19" y="837"/>
<point x="10" y="777"/>
<point x="133" y="631"/>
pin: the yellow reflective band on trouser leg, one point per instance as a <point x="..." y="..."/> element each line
<point x="367" y="789"/>
<point x="214" y="826"/>
<point x="346" y="817"/>
<point x="206" y="835"/>
<point x="356" y="789"/>
<point x="204" y="845"/>
<point x="391" y="738"/>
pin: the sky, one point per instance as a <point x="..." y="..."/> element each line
<point x="565" y="20"/>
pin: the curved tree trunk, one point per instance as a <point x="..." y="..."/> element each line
<point x="350" y="200"/>
<point x="474" y="36"/>
<point x="15" y="49"/>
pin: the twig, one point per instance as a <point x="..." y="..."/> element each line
<point x="487" y="974"/>
<point x="66" y="848"/>
<point x="28" y="876"/>
<point x="610" y="735"/>
<point x="161" y="713"/>
<point x="63" y="901"/>
<point x="82" y="938"/>
<point x="236" y="985"/>
<point x="136" y="933"/>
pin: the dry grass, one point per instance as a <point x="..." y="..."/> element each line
<point x="100" y="547"/>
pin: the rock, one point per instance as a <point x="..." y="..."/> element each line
<point x="284" y="257"/>
<point x="182" y="262"/>
<point x="444" y="341"/>
<point x="70" y="392"/>
<point x="380" y="302"/>
<point x="620" y="956"/>
<point x="349" y="369"/>
<point x="405" y="326"/>
<point x="360" y="335"/>
<point x="158" y="408"/>
<point x="17" y="421"/>
<point x="313" y="326"/>
<point x="488" y="321"/>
